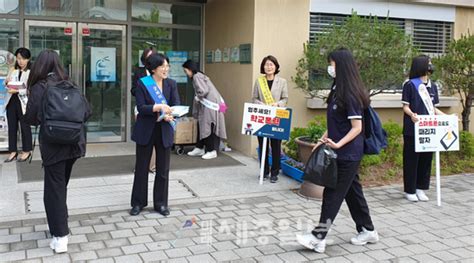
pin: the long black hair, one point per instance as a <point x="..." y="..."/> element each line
<point x="419" y="66"/>
<point x="47" y="62"/>
<point x="24" y="53"/>
<point x="349" y="85"/>
<point x="192" y="66"/>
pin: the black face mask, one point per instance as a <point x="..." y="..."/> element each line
<point x="431" y="68"/>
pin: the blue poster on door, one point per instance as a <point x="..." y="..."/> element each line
<point x="103" y="64"/>
<point x="177" y="58"/>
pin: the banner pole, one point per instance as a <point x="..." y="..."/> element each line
<point x="438" y="179"/>
<point x="263" y="153"/>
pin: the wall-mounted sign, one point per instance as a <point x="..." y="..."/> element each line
<point x="235" y="55"/>
<point x="245" y="53"/>
<point x="177" y="58"/>
<point x="103" y="65"/>
<point x="217" y="56"/>
<point x="68" y="31"/>
<point x="209" y="56"/>
<point x="86" y="31"/>
<point x="226" y="55"/>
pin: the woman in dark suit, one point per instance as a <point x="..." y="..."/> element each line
<point x="154" y="129"/>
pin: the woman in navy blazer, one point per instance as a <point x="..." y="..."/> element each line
<point x="151" y="132"/>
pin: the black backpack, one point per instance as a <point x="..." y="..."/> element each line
<point x="63" y="113"/>
<point x="375" y="137"/>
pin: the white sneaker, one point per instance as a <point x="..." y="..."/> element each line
<point x="412" y="197"/>
<point x="309" y="241"/>
<point x="209" y="155"/>
<point x="53" y="242"/>
<point x="61" y="244"/>
<point x="421" y="195"/>
<point x="365" y="237"/>
<point x="196" y="152"/>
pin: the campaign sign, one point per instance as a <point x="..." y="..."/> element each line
<point x="266" y="121"/>
<point x="437" y="133"/>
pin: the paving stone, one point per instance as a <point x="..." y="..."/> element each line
<point x="160" y="245"/>
<point x="379" y="255"/>
<point x="140" y="240"/>
<point x="104" y="228"/>
<point x="102" y="260"/>
<point x="201" y="258"/>
<point x="269" y="259"/>
<point x="10" y="239"/>
<point x="39" y="252"/>
<point x="134" y="249"/>
<point x="425" y="258"/>
<point x="248" y="252"/>
<point x="99" y="236"/>
<point x="117" y="242"/>
<point x="12" y="256"/>
<point x="359" y="257"/>
<point x="122" y="233"/>
<point x="144" y="231"/>
<point x="95" y="245"/>
<point x="148" y="222"/>
<point x="178" y="252"/>
<point x="445" y="256"/>
<point x="85" y="255"/>
<point x="109" y="252"/>
<point x="224" y="255"/>
<point x="128" y="259"/>
<point x="21" y="230"/>
<point x="153" y="256"/>
<point x="57" y="258"/>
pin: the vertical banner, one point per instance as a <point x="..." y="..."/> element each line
<point x="437" y="133"/>
<point x="103" y="64"/>
<point x="177" y="58"/>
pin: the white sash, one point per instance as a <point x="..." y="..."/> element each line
<point x="425" y="95"/>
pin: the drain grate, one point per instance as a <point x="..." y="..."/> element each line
<point x="106" y="195"/>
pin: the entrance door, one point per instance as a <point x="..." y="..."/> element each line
<point x="95" y="58"/>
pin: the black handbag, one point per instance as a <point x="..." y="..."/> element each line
<point x="321" y="168"/>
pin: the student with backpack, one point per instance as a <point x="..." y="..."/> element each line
<point x="57" y="105"/>
<point x="346" y="103"/>
<point x="419" y="97"/>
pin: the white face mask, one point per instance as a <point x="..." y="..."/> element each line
<point x="332" y="72"/>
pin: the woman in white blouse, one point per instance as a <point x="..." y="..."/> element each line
<point x="16" y="106"/>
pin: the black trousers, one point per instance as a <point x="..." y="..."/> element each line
<point x="348" y="188"/>
<point x="276" y="151"/>
<point x="56" y="178"/>
<point x="211" y="142"/>
<point x="15" y="115"/>
<point x="140" y="182"/>
<point x="416" y="167"/>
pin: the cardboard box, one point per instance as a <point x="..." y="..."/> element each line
<point x="186" y="131"/>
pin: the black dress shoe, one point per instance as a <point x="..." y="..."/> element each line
<point x="11" y="159"/>
<point x="273" y="179"/>
<point x="163" y="210"/>
<point x="135" y="210"/>
<point x="265" y="177"/>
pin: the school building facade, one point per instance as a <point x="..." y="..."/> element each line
<point x="100" y="42"/>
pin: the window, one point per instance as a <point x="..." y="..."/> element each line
<point x="431" y="37"/>
<point x="104" y="10"/>
<point x="149" y="11"/>
<point x="8" y="6"/>
<point x="49" y="8"/>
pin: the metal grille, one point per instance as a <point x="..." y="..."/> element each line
<point x="431" y="37"/>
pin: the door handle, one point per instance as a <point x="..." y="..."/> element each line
<point x="84" y="70"/>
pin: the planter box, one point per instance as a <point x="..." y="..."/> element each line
<point x="292" y="172"/>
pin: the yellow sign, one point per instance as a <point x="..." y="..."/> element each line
<point x="284" y="114"/>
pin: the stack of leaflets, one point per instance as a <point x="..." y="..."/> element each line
<point x="16" y="85"/>
<point x="179" y="111"/>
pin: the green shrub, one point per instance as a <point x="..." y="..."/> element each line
<point x="461" y="161"/>
<point x="314" y="130"/>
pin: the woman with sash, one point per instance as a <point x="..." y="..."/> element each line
<point x="271" y="90"/>
<point x="154" y="128"/>
<point x="419" y="97"/>
<point x="209" y="108"/>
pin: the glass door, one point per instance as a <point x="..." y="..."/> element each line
<point x="58" y="36"/>
<point x="94" y="56"/>
<point x="102" y="61"/>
